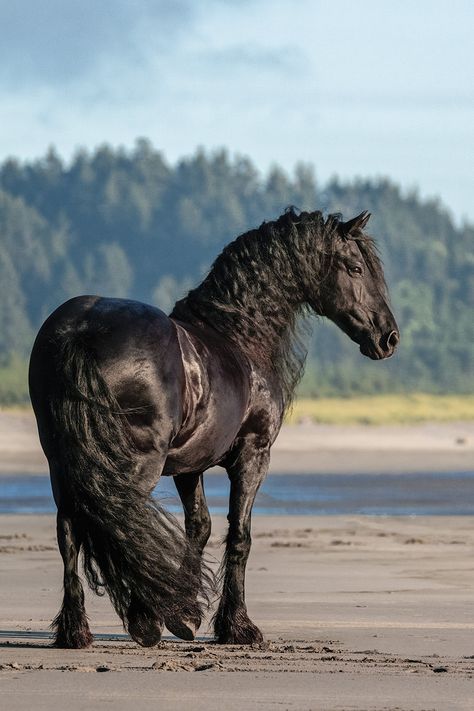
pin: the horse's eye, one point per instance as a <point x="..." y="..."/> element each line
<point x="354" y="270"/>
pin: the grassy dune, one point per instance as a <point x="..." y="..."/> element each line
<point x="14" y="382"/>
<point x="362" y="410"/>
<point x="384" y="409"/>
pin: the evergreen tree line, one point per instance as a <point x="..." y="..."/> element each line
<point x="127" y="223"/>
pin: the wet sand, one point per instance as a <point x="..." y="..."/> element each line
<point x="358" y="612"/>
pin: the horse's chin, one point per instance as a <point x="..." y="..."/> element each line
<point x="372" y="350"/>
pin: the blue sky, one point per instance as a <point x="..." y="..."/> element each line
<point x="364" y="88"/>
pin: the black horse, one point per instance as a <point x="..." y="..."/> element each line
<point x="123" y="394"/>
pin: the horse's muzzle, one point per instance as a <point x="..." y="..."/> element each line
<point x="384" y="348"/>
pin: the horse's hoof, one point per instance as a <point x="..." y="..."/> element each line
<point x="71" y="630"/>
<point x="146" y="633"/>
<point x="184" y="629"/>
<point x="79" y="639"/>
<point x="240" y="634"/>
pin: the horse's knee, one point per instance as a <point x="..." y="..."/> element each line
<point x="198" y="527"/>
<point x="238" y="546"/>
<point x="67" y="539"/>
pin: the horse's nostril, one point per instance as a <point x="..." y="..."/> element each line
<point x="392" y="339"/>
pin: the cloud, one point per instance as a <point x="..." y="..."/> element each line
<point x="250" y="57"/>
<point x="51" y="42"/>
<point x="363" y="88"/>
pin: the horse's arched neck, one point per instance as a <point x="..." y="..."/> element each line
<point x="257" y="327"/>
<point x="253" y="299"/>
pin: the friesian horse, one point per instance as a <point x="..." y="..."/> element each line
<point x="124" y="393"/>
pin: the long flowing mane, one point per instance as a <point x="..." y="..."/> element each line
<point x="256" y="291"/>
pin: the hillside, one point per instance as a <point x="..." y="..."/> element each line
<point x="127" y="223"/>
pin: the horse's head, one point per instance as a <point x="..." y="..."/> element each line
<point x="353" y="294"/>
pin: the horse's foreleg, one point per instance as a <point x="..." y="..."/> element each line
<point x="197" y="519"/>
<point x="198" y="529"/>
<point x="70" y="625"/>
<point x="231" y="623"/>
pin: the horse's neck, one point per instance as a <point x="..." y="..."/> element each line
<point x="254" y="307"/>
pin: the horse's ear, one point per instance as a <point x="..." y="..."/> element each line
<point x="357" y="223"/>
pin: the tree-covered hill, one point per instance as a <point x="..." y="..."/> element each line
<point x="126" y="223"/>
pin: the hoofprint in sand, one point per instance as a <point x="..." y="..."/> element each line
<point x="359" y="613"/>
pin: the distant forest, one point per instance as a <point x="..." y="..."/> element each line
<point x="127" y="223"/>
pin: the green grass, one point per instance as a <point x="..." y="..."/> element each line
<point x="384" y="409"/>
<point x="367" y="409"/>
<point x="14" y="382"/>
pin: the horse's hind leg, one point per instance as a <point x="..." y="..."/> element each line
<point x="70" y="624"/>
<point x="145" y="624"/>
<point x="198" y="529"/>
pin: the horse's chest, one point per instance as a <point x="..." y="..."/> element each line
<point x="215" y="400"/>
<point x="205" y="440"/>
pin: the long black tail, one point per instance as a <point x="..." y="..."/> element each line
<point x="132" y="547"/>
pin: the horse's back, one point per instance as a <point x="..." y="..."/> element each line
<point x="104" y="319"/>
<point x="120" y="333"/>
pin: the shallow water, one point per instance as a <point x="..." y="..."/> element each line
<point x="297" y="494"/>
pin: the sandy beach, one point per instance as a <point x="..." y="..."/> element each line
<point x="358" y="613"/>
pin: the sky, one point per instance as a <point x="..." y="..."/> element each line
<point x="368" y="88"/>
